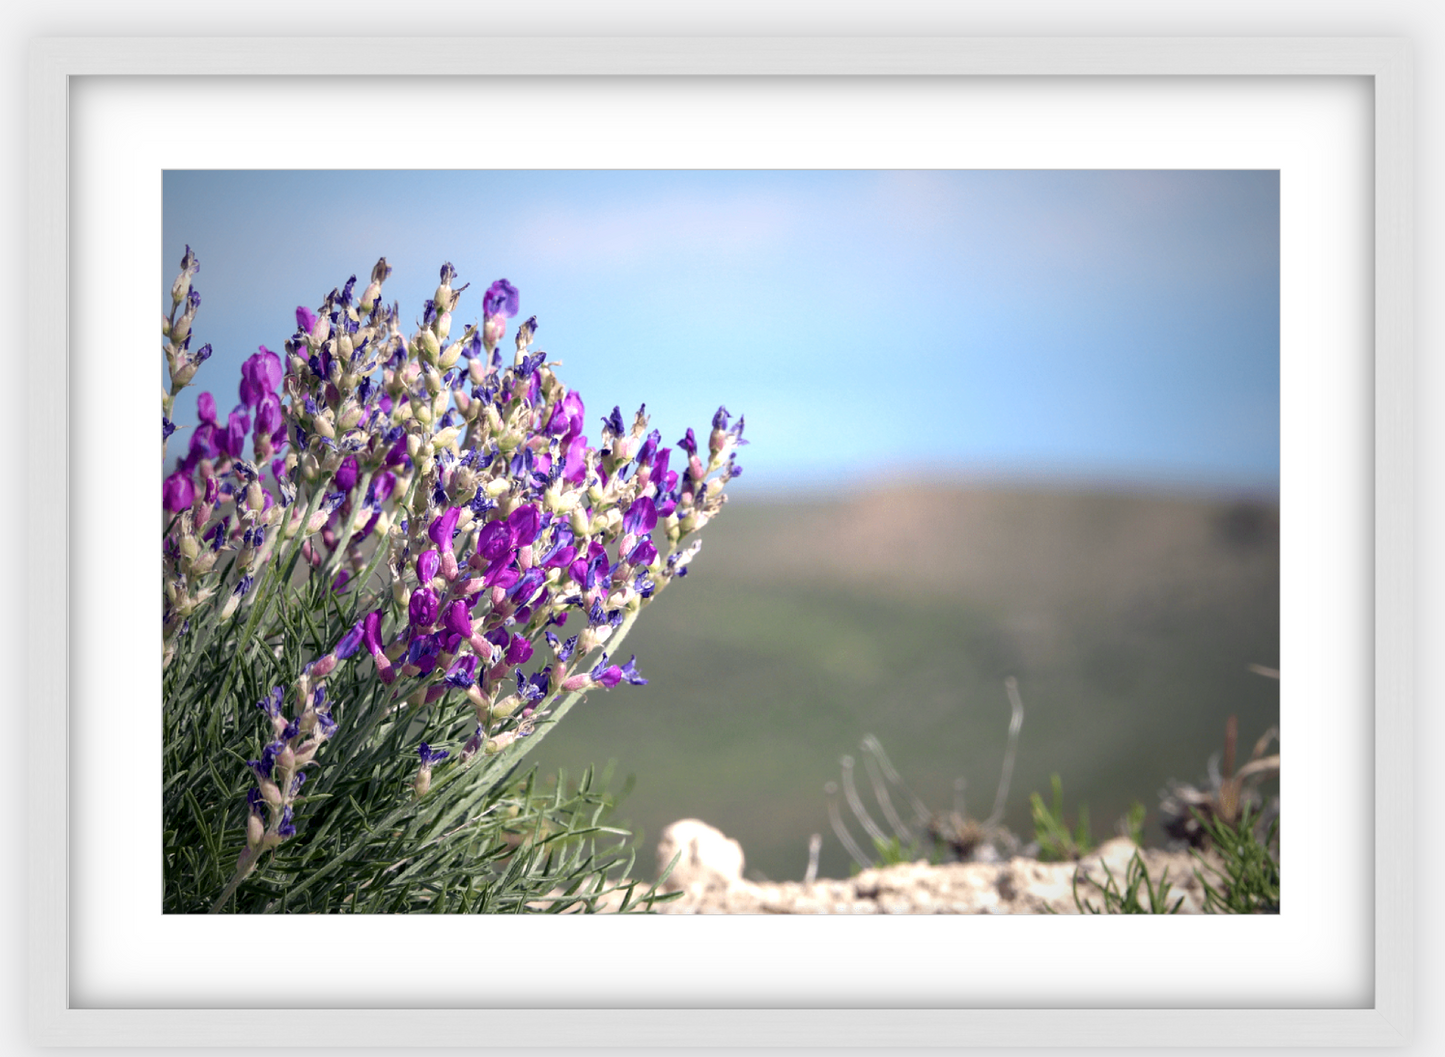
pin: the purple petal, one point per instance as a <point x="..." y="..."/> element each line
<point x="501" y="299"/>
<point x="178" y="492"/>
<point x="641" y="516"/>
<point x="524" y="523"/>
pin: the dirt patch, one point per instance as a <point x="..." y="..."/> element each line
<point x="713" y="884"/>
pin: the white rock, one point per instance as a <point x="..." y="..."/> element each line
<point x="710" y="860"/>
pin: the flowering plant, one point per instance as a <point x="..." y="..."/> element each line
<point x="418" y="565"/>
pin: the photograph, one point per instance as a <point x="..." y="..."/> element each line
<point x="721" y="541"/>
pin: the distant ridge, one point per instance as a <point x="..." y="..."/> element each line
<point x="1035" y="544"/>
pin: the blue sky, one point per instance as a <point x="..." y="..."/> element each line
<point x="1113" y="327"/>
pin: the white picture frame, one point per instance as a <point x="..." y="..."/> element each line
<point x="54" y="1021"/>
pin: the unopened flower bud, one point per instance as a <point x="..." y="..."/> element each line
<point x="203" y="564"/>
<point x="492" y="331"/>
<point x="500" y="742"/>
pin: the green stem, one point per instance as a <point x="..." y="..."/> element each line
<point x="243" y="871"/>
<point x="333" y="560"/>
<point x="287" y="559"/>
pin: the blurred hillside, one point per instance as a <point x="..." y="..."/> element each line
<point x="1129" y="620"/>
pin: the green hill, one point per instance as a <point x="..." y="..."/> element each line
<point x="1129" y="620"/>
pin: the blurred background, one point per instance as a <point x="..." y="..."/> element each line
<point x="1001" y="423"/>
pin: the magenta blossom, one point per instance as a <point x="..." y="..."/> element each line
<point x="519" y="650"/>
<point x="423" y="607"/>
<point x="232" y="439"/>
<point x="494" y="540"/>
<point x="178" y="492"/>
<point x="443" y="526"/>
<point x="260" y="374"/>
<point x="457" y="620"/>
<point x="268" y="415"/>
<point x="346" y="474"/>
<point x="501" y="299"/>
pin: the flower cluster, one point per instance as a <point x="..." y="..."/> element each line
<point x="279" y="772"/>
<point x="490" y="552"/>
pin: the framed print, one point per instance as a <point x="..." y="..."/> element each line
<point x="1331" y="117"/>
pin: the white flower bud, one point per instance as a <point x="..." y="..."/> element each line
<point x="500" y="742"/>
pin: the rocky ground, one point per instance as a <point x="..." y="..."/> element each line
<point x="709" y="876"/>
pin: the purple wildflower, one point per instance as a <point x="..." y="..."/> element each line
<point x="423" y="652"/>
<point x="271" y="703"/>
<point x="641" y="517"/>
<point x="630" y="673"/>
<point x="346" y="474"/>
<point x="457" y="619"/>
<point x="423" y="607"/>
<point x="443" y="527"/>
<point x="349" y="642"/>
<point x="260" y="374"/>
<point x="524" y="523"/>
<point x="178" y="492"/>
<point x="519" y="650"/>
<point x="645" y="553"/>
<point x="501" y="299"/>
<point x="463" y="672"/>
